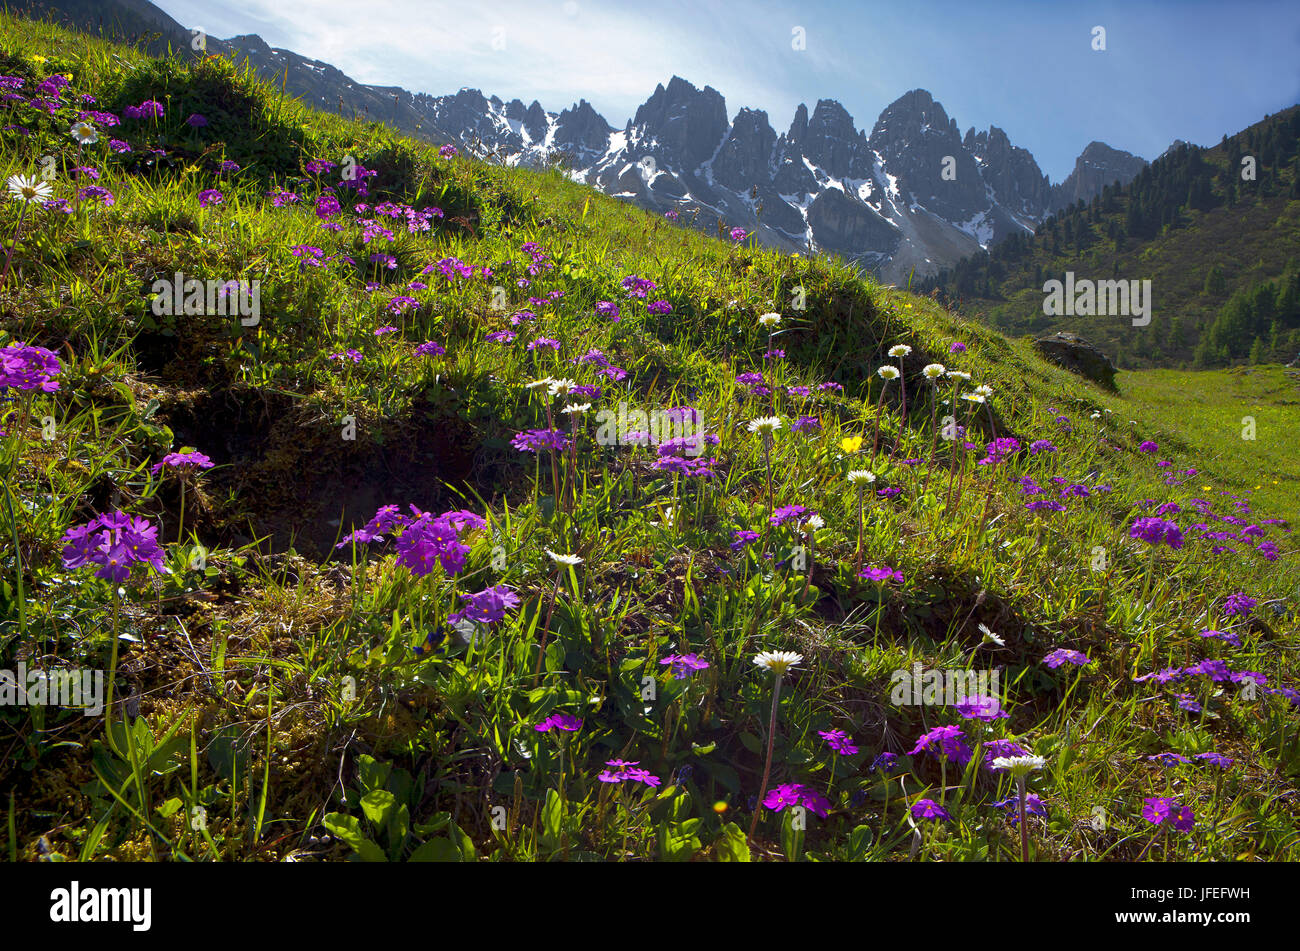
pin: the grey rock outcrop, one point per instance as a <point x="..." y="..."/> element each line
<point x="1077" y="355"/>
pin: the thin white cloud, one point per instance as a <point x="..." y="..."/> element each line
<point x="613" y="54"/>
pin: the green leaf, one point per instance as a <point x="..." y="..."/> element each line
<point x="348" y="828"/>
<point x="143" y="737"/>
<point x="437" y="822"/>
<point x="860" y="840"/>
<point x="372" y="774"/>
<point x="397" y="829"/>
<point x="400" y="784"/>
<point x="552" y="818"/>
<point x="227" y="754"/>
<point x="463" y="842"/>
<point x="378" y="805"/>
<point x="792" y="837"/>
<point x="731" y="845"/>
<point x="436" y="850"/>
<point x="554" y="655"/>
<point x="681" y="802"/>
<point x="677" y="840"/>
<point x="118" y="729"/>
<point x="168" y="756"/>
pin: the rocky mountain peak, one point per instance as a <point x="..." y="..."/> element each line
<point x="535" y="121"/>
<point x="746" y="156"/>
<point x="912" y="114"/>
<point x="1096" y="167"/>
<point x="1012" y="172"/>
<point x="250" y="43"/>
<point x="688" y="123"/>
<point x="833" y="142"/>
<point x="469" y="98"/>
<point x="799" y="127"/>
<point x="580" y="129"/>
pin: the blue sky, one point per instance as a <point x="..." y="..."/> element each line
<point x="1176" y="69"/>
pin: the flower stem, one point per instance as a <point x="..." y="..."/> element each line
<point x="13" y="242"/>
<point x="767" y="767"/>
<point x="859" y="557"/>
<point x="807" y="578"/>
<point x="934" y="425"/>
<point x="1024" y="825"/>
<point x="180" y="531"/>
<point x="546" y="630"/>
<point x="555" y="471"/>
<point x="767" y="458"/>
<point x="112" y="671"/>
<point x="875" y="442"/>
<point x="18" y="559"/>
<point x="902" y="382"/>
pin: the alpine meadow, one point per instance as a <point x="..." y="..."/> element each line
<point x="377" y="493"/>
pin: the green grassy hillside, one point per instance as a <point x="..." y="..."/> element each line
<point x="569" y="655"/>
<point x="1246" y="423"/>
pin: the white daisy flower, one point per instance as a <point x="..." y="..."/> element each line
<point x="888" y="373"/>
<point x="575" y="408"/>
<point x="84" y="133"/>
<point x="544" y="381"/>
<point x="861" y="477"/>
<point x="984" y="390"/>
<point x="990" y="637"/>
<point x="560" y="559"/>
<point x="815" y="521"/>
<point x="561" y="387"/>
<point x="959" y="375"/>
<point x="770" y="320"/>
<point x="976" y="397"/>
<point x="900" y="350"/>
<point x="933" y="371"/>
<point x="778" y="662"/>
<point x="29" y="189"/>
<point x="765" y="425"/>
<point x="1019" y="766"/>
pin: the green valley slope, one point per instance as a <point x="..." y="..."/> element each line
<point x="1192" y="226"/>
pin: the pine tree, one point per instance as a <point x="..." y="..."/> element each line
<point x="1216" y="284"/>
<point x="1177" y="341"/>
